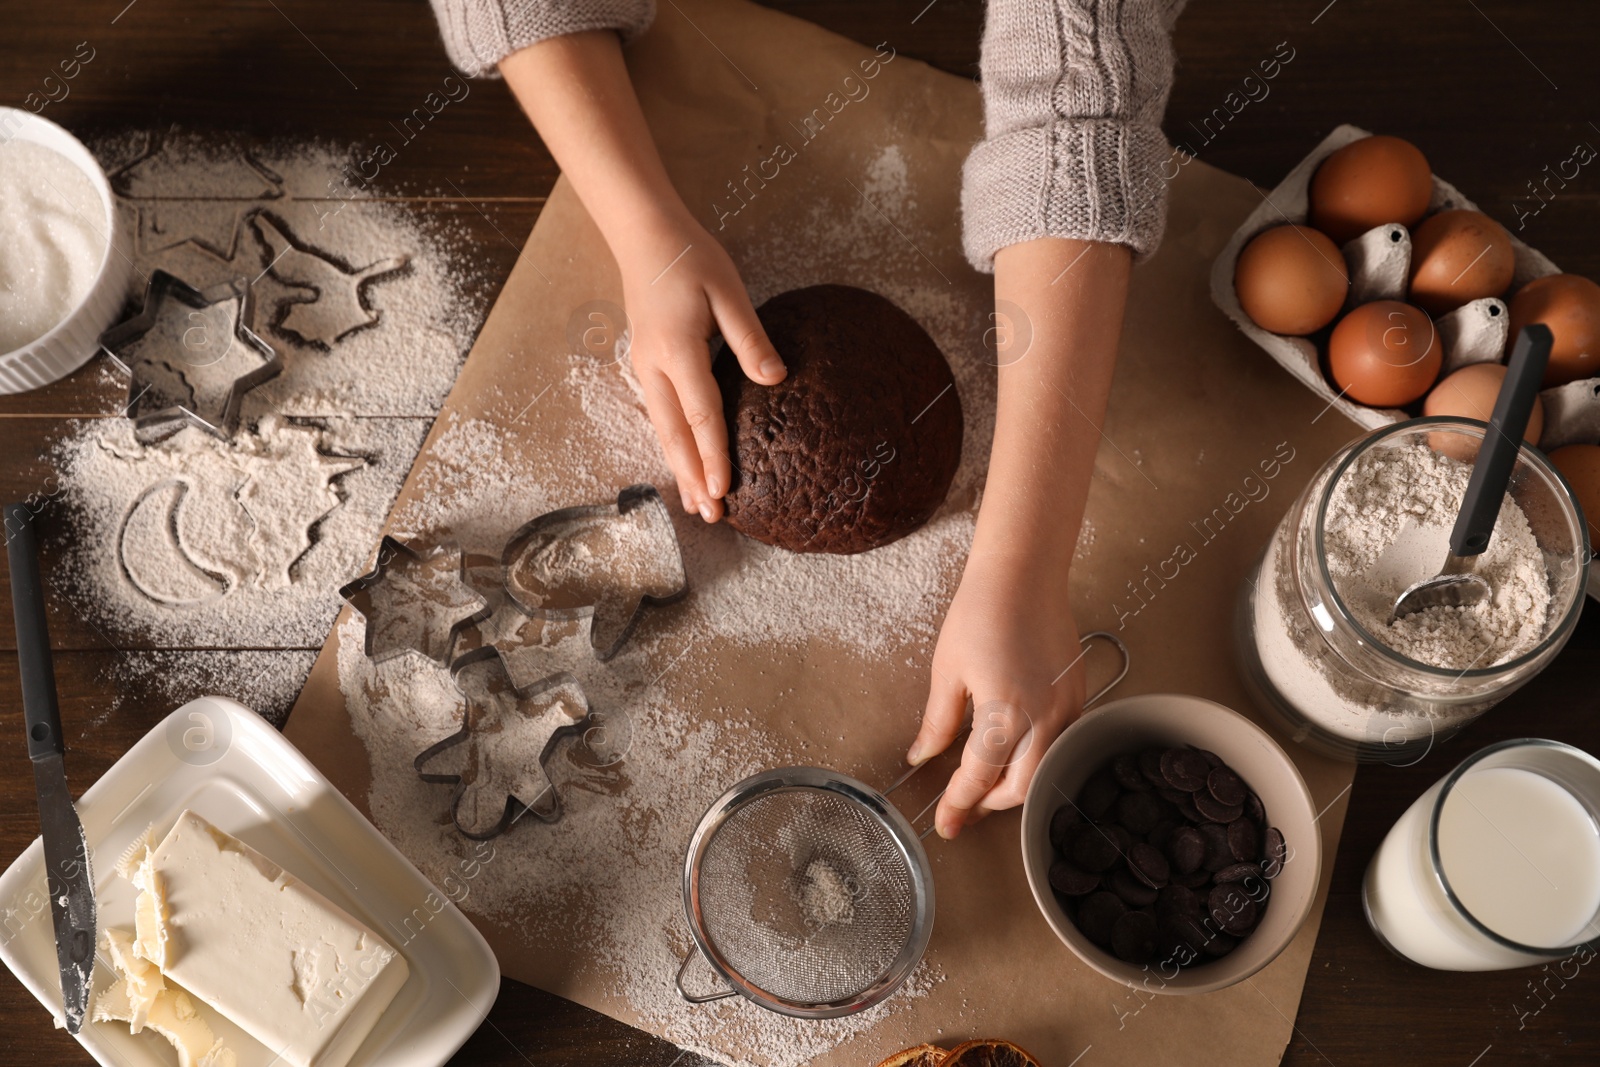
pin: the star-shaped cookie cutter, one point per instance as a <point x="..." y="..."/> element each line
<point x="190" y="356"/>
<point x="606" y="561"/>
<point x="496" y="760"/>
<point x="415" y="602"/>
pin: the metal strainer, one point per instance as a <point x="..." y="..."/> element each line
<point x="808" y="893"/>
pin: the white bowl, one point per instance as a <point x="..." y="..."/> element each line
<point x="71" y="342"/>
<point x="1170" y="719"/>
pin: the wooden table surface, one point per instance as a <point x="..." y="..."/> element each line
<point x="1498" y="94"/>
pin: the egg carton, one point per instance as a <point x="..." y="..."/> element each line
<point x="1379" y="262"/>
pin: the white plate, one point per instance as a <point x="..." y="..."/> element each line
<point x="230" y="766"/>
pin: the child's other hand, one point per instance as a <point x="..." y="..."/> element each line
<point x="1010" y="645"/>
<point x="680" y="287"/>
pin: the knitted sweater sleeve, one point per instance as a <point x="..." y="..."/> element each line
<point x="478" y="34"/>
<point x="1073" y="92"/>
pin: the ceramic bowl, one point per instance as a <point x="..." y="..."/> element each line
<point x="72" y="341"/>
<point x="1166" y="719"/>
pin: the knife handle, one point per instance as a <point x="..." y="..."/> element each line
<point x="40" y="713"/>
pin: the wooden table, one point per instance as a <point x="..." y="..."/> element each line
<point x="1497" y="94"/>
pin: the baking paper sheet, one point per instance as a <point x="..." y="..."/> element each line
<point x="1181" y="507"/>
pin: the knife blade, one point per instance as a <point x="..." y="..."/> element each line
<point x="66" y="850"/>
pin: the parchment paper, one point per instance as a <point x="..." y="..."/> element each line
<point x="1180" y="509"/>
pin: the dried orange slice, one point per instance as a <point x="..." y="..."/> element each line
<point x="917" y="1056"/>
<point x="988" y="1053"/>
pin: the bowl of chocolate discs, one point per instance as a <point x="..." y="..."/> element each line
<point x="1171" y="843"/>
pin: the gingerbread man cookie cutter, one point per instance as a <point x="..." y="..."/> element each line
<point x="496" y="761"/>
<point x="604" y="561"/>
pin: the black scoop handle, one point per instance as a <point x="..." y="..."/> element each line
<point x="40" y="713"/>
<point x="1491" y="474"/>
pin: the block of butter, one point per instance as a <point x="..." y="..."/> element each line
<point x="236" y="931"/>
<point x="141" y="998"/>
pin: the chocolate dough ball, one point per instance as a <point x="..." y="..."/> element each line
<point x="858" y="445"/>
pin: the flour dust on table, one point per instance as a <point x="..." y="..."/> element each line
<point x="197" y="540"/>
<point x="267" y="681"/>
<point x="610" y="869"/>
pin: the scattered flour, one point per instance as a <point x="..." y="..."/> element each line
<point x="598" y="891"/>
<point x="198" y="541"/>
<point x="194" y="205"/>
<point x="190" y="541"/>
<point x="265" y="681"/>
<point x="596" y="896"/>
<point x="825" y="897"/>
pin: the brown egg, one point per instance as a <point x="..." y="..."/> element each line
<point x="1384" y="354"/>
<point x="1470" y="393"/>
<point x="1368" y="183"/>
<point x="1570" y="305"/>
<point x="1458" y="256"/>
<point x="1291" y="280"/>
<point x="1580" y="465"/>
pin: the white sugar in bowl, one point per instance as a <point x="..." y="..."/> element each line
<point x="65" y="258"/>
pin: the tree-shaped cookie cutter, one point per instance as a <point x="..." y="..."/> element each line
<point x="604" y="561"/>
<point x="415" y="601"/>
<point x="496" y="760"/>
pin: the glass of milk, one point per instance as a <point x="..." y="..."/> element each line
<point x="1497" y="865"/>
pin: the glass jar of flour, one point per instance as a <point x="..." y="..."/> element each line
<point x="1315" y="636"/>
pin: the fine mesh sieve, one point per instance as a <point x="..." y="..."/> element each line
<point x="809" y="893"/>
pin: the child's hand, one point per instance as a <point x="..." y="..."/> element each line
<point x="1009" y="644"/>
<point x="680" y="287"/>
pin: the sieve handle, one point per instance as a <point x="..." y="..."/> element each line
<point x="698" y="998"/>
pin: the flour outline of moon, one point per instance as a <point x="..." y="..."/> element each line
<point x="177" y="580"/>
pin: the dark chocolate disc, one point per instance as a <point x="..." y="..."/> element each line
<point x="1098" y="913"/>
<point x="1133" y="937"/>
<point x="1072" y="881"/>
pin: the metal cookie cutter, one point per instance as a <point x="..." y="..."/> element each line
<point x="414" y="601"/>
<point x="496" y="761"/>
<point x="191" y="356"/>
<point x="606" y="561"/>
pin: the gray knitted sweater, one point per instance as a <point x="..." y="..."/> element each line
<point x="1073" y="92"/>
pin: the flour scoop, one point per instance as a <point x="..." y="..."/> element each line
<point x="1457" y="585"/>
<point x="809" y="893"/>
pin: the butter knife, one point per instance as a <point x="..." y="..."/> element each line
<point x="66" y="850"/>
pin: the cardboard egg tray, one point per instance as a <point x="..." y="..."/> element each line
<point x="1379" y="262"/>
